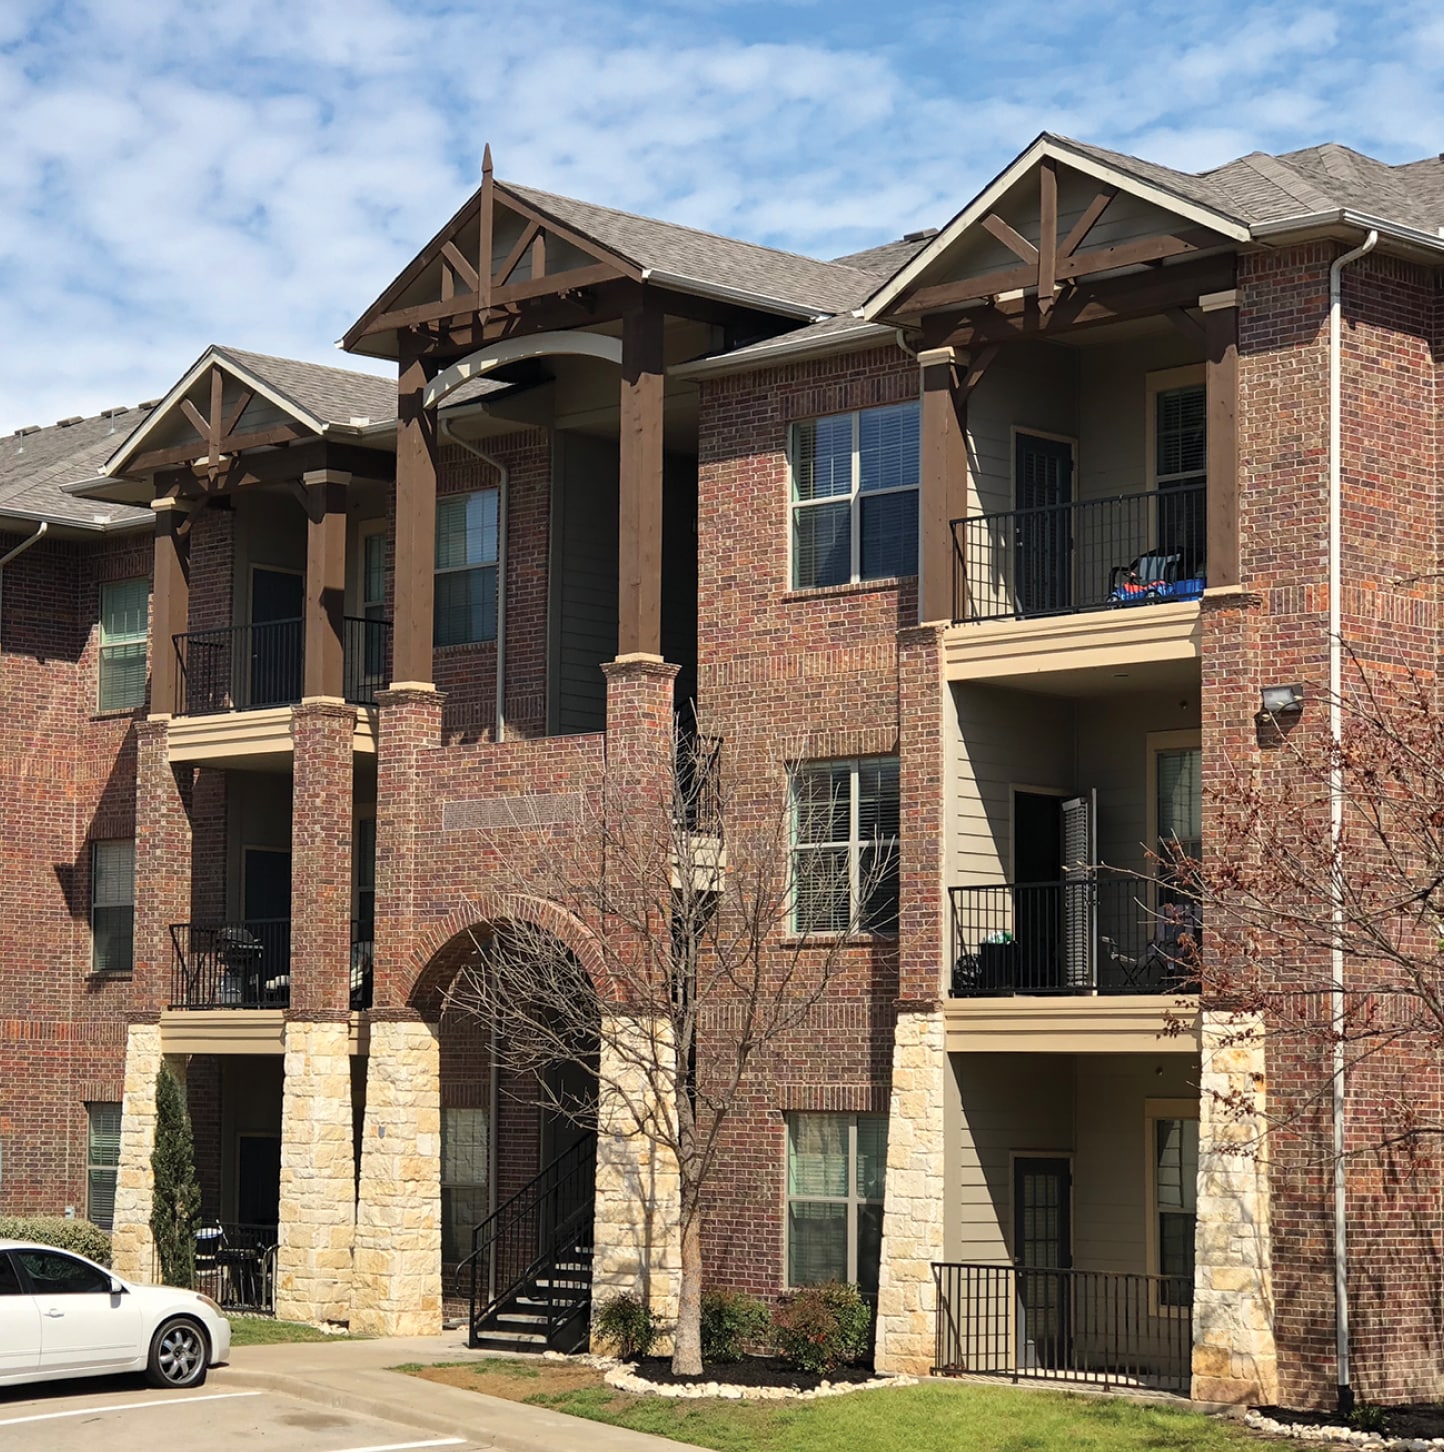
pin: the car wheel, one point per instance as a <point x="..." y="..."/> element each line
<point x="178" y="1355"/>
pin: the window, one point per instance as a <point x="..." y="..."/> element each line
<point x="53" y="1274"/>
<point x="466" y="562"/>
<point x="1174" y="1180"/>
<point x="845" y="845"/>
<point x="112" y="905"/>
<point x="123" y="628"/>
<point x="855" y="496"/>
<point x="1180" y="465"/>
<point x="835" y="1169"/>
<point x="102" y="1156"/>
<point x="9" y="1277"/>
<point x="463" y="1179"/>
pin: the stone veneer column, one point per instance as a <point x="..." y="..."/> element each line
<point x="318" y="1175"/>
<point x="912" y="1227"/>
<point x="637" y="1245"/>
<point x="1234" y="1356"/>
<point x="396" y="1279"/>
<point x="132" y="1244"/>
<point x="321" y="731"/>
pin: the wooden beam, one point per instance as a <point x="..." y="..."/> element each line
<point x="241" y="405"/>
<point x="539" y="255"/>
<point x="557" y="282"/>
<point x="231" y="444"/>
<point x="1085" y="224"/>
<point x="169" y="603"/>
<point x="1186" y="325"/>
<point x="502" y="273"/>
<point x="1221" y="391"/>
<point x="325" y="604"/>
<point x="279" y="466"/>
<point x="464" y="270"/>
<point x="1014" y="241"/>
<point x="640" y="466"/>
<point x="415" y="524"/>
<point x="944" y="483"/>
<point x="1047" y="232"/>
<point x="1145" y="249"/>
<point x="978" y="365"/>
<point x="485" y="222"/>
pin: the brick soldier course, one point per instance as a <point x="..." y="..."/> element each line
<point x="383" y="1114"/>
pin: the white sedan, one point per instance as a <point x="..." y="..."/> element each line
<point x="62" y="1315"/>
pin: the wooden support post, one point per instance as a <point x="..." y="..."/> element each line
<point x="944" y="493"/>
<point x="325" y="609"/>
<point x="639" y="564"/>
<point x="1220" y="326"/>
<point x="170" y="604"/>
<point x="415" y="525"/>
<point x="1047" y="234"/>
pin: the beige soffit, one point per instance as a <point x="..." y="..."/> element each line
<point x="1064" y="1025"/>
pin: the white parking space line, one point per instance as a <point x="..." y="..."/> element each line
<point x="402" y="1446"/>
<point x="136" y="1406"/>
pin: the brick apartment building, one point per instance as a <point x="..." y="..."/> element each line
<point x="1011" y="522"/>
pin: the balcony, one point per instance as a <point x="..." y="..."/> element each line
<point x="253" y="667"/>
<point x="1092" y="554"/>
<point x="247" y="965"/>
<point x="1090" y="934"/>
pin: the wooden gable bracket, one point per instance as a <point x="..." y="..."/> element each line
<point x="217" y="436"/>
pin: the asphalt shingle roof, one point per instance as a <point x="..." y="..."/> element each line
<point x="34" y="467"/>
<point x="333" y="395"/>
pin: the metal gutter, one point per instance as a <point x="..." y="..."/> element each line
<point x="90" y="526"/>
<point x="1429" y="242"/>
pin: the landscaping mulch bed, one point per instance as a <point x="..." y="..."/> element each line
<point x="1421" y="1420"/>
<point x="751" y="1371"/>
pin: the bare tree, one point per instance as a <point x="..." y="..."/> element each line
<point x="715" y="935"/>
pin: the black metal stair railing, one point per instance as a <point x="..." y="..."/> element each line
<point x="533" y="1244"/>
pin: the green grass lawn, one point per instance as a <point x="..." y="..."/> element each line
<point x="932" y="1417"/>
<point x="265" y="1331"/>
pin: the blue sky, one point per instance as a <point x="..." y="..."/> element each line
<point x="181" y="172"/>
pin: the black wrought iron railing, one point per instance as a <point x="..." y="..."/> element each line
<point x="236" y="1266"/>
<point x="1102" y="1328"/>
<point x="231" y="965"/>
<point x="1094" y="932"/>
<point x="536" y="1244"/>
<point x="367" y="645"/>
<point x="1091" y="554"/>
<point x="249" y="667"/>
<point x="363" y="956"/>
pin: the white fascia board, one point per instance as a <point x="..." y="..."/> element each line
<point x="213" y="355"/>
<point x="723" y="293"/>
<point x="1345" y="217"/>
<point x="88" y="526"/>
<point x="762" y="356"/>
<point x="986" y="199"/>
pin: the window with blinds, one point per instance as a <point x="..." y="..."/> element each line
<point x="1175" y="1196"/>
<point x="124" y="624"/>
<point x="112" y="905"/>
<point x="102" y="1159"/>
<point x="845" y="822"/>
<point x="1180" y="801"/>
<point x="467" y="544"/>
<point x="855" y="496"/>
<point x="464" y="1156"/>
<point x="1180" y="469"/>
<point x="835" y="1170"/>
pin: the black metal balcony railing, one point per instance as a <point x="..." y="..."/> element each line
<point x="1092" y="554"/>
<point x="232" y="965"/>
<point x="236" y="1266"/>
<point x="699" y="784"/>
<point x="1102" y="1328"/>
<point x="1095" y="932"/>
<point x="247" y="667"/>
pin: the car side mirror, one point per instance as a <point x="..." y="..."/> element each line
<point x="117" y="1286"/>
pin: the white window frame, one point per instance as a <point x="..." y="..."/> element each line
<point x="493" y="564"/>
<point x="1164" y="380"/>
<point x="854" y="497"/>
<point x="94" y="1166"/>
<point x="140" y="637"/>
<point x="852" y="1199"/>
<point x="853" y="845"/>
<point x="97" y="845"/>
<point x="1156" y="1111"/>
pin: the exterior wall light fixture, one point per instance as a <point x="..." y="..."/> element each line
<point x="1282" y="700"/>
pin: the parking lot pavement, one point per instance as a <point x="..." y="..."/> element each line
<point x="123" y="1415"/>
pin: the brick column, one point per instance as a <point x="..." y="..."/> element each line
<point x="318" y="1175"/>
<point x="396" y="1283"/>
<point x="322" y="732"/>
<point x="640" y="691"/>
<point x="409" y="729"/>
<point x="162" y="860"/>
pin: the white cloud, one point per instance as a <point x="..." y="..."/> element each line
<point x="179" y="172"/>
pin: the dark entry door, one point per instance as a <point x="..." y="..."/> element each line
<point x="1043" y="554"/>
<point x="276" y="603"/>
<point x="266" y="906"/>
<point x="1043" y="1252"/>
<point x="258" y="1179"/>
<point x="1038" y="895"/>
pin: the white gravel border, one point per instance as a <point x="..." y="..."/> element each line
<point x="1304" y="1432"/>
<point x="623" y="1375"/>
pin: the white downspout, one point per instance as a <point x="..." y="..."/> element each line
<point x="1336" y="813"/>
<point x="444" y="429"/>
<point x="19" y="549"/>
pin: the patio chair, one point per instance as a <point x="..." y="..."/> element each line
<point x="1148" y="578"/>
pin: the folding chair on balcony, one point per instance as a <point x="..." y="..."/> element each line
<point x="1168" y="961"/>
<point x="1147" y="579"/>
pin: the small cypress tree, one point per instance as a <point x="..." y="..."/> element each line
<point x="176" y="1207"/>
